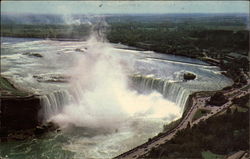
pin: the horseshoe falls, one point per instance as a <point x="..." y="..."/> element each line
<point x="107" y="98"/>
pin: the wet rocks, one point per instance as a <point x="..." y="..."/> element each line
<point x="32" y="54"/>
<point x="47" y="127"/>
<point x="80" y="50"/>
<point x="20" y="135"/>
<point x="24" y="134"/>
<point x="51" y="78"/>
<point x="189" y="76"/>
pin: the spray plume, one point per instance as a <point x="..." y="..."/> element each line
<point x="102" y="98"/>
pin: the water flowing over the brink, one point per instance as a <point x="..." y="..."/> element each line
<point x="53" y="103"/>
<point x="172" y="91"/>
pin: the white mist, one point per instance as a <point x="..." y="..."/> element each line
<point x="102" y="102"/>
<point x="103" y="99"/>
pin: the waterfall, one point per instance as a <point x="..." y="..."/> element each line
<point x="53" y="103"/>
<point x="172" y="91"/>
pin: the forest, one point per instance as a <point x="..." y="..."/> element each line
<point x="210" y="136"/>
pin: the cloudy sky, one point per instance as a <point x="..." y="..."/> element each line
<point x="124" y="7"/>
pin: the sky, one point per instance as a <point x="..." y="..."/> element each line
<point x="123" y="7"/>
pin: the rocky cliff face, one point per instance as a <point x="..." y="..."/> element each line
<point x="18" y="117"/>
<point x="19" y="113"/>
<point x="19" y="110"/>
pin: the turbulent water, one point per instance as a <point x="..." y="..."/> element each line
<point x="108" y="98"/>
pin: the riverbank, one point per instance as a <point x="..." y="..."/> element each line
<point x="19" y="109"/>
<point x="19" y="113"/>
<point x="162" y="144"/>
<point x="152" y="149"/>
<point x="207" y="136"/>
<point x="152" y="145"/>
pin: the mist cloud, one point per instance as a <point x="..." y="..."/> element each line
<point x="100" y="83"/>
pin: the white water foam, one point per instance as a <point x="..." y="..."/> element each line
<point x="101" y="95"/>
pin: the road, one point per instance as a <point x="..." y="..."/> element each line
<point x="198" y="103"/>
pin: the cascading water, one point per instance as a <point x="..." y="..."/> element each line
<point x="113" y="97"/>
<point x="101" y="97"/>
<point x="172" y="91"/>
<point x="53" y="103"/>
<point x="99" y="91"/>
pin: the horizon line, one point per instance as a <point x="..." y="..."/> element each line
<point x="26" y="13"/>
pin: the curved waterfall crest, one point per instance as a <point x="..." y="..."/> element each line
<point x="172" y="91"/>
<point x="54" y="102"/>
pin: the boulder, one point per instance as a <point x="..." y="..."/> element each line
<point x="79" y="50"/>
<point x="47" y="127"/>
<point x="52" y="78"/>
<point x="189" y="76"/>
<point x="32" y="54"/>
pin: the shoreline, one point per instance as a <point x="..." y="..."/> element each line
<point x="132" y="47"/>
<point x="189" y="105"/>
<point x="162" y="134"/>
<point x="208" y="61"/>
<point x="170" y="134"/>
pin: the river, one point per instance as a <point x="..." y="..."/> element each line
<point x="107" y="98"/>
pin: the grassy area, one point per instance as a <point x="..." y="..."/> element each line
<point x="210" y="155"/>
<point x="205" y="93"/>
<point x="8" y="89"/>
<point x="246" y="88"/>
<point x="6" y="85"/>
<point x="232" y="94"/>
<point x="242" y="101"/>
<point x="199" y="113"/>
<point x="239" y="109"/>
<point x="232" y="109"/>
